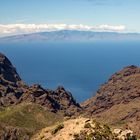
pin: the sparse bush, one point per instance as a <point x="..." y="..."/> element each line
<point x="77" y="123"/>
<point x="97" y="126"/>
<point x="87" y="125"/>
<point x="95" y="135"/>
<point x="76" y="136"/>
<point x="95" y="132"/>
<point x="42" y="137"/>
<point x="129" y="137"/>
<point x="58" y="128"/>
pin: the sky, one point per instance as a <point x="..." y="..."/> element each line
<point x="26" y="16"/>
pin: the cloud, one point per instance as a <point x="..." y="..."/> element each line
<point x="12" y="29"/>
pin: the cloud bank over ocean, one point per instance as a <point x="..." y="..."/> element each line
<point x="13" y="29"/>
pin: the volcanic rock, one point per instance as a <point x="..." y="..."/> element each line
<point x="13" y="91"/>
<point x="118" y="100"/>
<point x="11" y="85"/>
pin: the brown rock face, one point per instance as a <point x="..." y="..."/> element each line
<point x="11" y="85"/>
<point x="118" y="100"/>
<point x="55" y="101"/>
<point x="13" y="91"/>
<point x="12" y="134"/>
<point x="7" y="71"/>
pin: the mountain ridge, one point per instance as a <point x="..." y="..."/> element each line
<point x="71" y="35"/>
<point x="25" y="109"/>
<point x="117" y="101"/>
<point x="19" y="102"/>
<point x="12" y="87"/>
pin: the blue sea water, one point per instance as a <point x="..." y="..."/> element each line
<point x="80" y="67"/>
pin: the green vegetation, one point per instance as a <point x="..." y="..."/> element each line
<point x="95" y="131"/>
<point x="26" y="116"/>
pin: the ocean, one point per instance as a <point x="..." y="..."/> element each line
<point x="80" y="67"/>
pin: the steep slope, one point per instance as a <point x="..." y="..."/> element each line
<point x="25" y="109"/>
<point x="118" y="101"/>
<point x="7" y="71"/>
<point x="13" y="91"/>
<point x="59" y="100"/>
<point x="23" y="120"/>
<point x="11" y="85"/>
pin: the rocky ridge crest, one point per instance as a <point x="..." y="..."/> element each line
<point x="118" y="101"/>
<point x="13" y="91"/>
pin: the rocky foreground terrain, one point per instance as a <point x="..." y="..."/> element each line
<point x="82" y="129"/>
<point x="32" y="112"/>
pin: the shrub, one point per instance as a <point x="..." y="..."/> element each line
<point x="58" y="128"/>
<point x="77" y="123"/>
<point x="129" y="137"/>
<point x="87" y="125"/>
<point x="76" y="136"/>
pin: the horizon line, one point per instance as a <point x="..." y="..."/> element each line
<point x="30" y="33"/>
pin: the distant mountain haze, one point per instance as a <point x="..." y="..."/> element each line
<point x="72" y="35"/>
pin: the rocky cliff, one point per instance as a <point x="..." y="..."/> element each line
<point x="11" y="85"/>
<point x="13" y="91"/>
<point x="58" y="100"/>
<point x="118" y="101"/>
<point x="26" y="109"/>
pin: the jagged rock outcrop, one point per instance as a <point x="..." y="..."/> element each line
<point x="118" y="100"/>
<point x="13" y="91"/>
<point x="13" y="134"/>
<point x="55" y="101"/>
<point x="11" y="85"/>
<point x="7" y="71"/>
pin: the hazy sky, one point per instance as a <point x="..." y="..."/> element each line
<point x="112" y="15"/>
